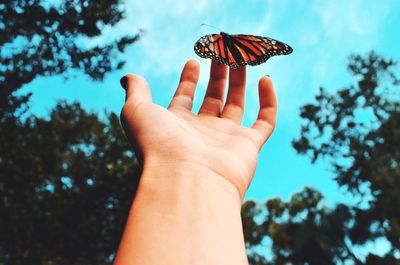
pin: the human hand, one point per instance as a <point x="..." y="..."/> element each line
<point x="184" y="211"/>
<point x="213" y="139"/>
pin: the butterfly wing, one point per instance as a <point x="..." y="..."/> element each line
<point x="256" y="50"/>
<point x="239" y="50"/>
<point x="212" y="47"/>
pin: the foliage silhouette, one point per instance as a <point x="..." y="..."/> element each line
<point x="66" y="182"/>
<point x="357" y="130"/>
<point x="38" y="38"/>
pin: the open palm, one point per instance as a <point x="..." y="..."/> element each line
<point x="213" y="139"/>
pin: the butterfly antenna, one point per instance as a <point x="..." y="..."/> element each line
<point x="204" y="24"/>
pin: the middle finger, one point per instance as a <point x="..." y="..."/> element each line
<point x="234" y="107"/>
<point x="214" y="98"/>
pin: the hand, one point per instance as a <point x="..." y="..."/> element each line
<point x="184" y="211"/>
<point x="213" y="139"/>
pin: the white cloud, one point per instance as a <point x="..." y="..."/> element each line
<point x="171" y="28"/>
<point x="341" y="18"/>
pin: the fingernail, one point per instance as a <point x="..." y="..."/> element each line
<point x="123" y="82"/>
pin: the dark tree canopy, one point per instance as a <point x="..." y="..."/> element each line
<point x="42" y="39"/>
<point x="66" y="182"/>
<point x="66" y="185"/>
<point x="38" y="38"/>
<point x="301" y="230"/>
<point x="357" y="130"/>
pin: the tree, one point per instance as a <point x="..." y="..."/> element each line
<point x="357" y="130"/>
<point x="66" y="182"/>
<point x="300" y="231"/>
<point x="38" y="38"/>
<point x="42" y="39"/>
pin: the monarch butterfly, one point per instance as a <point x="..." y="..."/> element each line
<point x="239" y="50"/>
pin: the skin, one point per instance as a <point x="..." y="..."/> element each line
<point x="196" y="169"/>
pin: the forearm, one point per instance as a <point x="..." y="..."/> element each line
<point x="183" y="215"/>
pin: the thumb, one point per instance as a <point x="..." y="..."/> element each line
<point x="137" y="92"/>
<point x="136" y="88"/>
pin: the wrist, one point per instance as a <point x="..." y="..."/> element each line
<point x="233" y="177"/>
<point x="185" y="214"/>
<point x="187" y="182"/>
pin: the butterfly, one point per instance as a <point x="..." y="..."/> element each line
<point x="239" y="50"/>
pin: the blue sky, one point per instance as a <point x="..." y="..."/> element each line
<point x="323" y="34"/>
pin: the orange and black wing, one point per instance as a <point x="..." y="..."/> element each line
<point x="240" y="50"/>
<point x="255" y="50"/>
<point x="213" y="47"/>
